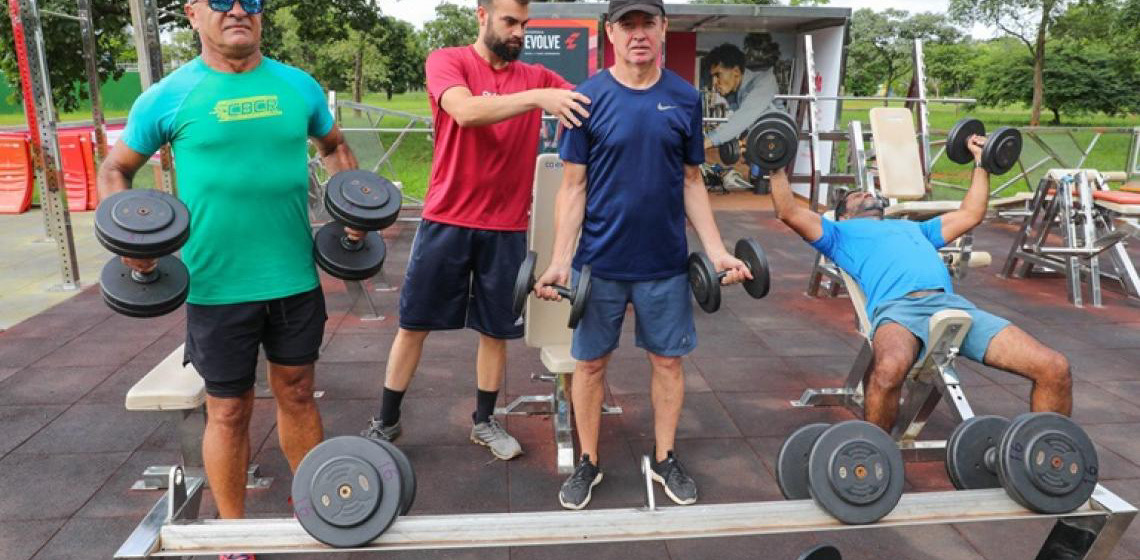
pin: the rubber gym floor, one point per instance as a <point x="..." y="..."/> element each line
<point x="69" y="451"/>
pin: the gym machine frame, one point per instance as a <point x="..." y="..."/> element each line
<point x="171" y="528"/>
<point x="1086" y="231"/>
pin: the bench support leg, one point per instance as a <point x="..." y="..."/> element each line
<point x="191" y="425"/>
<point x="557" y="405"/>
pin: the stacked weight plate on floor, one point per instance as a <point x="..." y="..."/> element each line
<point x="348" y="490"/>
<point x="853" y="470"/>
<point x="1047" y="463"/>
<point x="364" y="201"/>
<point x="143" y="224"/>
<point x="1044" y="460"/>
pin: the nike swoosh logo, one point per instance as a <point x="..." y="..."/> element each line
<point x="661" y="107"/>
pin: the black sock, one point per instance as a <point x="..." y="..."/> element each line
<point x="390" y="406"/>
<point x="484" y="405"/>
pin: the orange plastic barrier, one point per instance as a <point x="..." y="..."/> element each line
<point x="74" y="151"/>
<point x="17" y="177"/>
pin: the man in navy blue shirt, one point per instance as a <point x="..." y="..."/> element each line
<point x="631" y="178"/>
<point x="897" y="265"/>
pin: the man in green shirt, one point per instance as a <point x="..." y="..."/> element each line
<point x="239" y="125"/>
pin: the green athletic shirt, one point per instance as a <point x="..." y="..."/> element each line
<point x="240" y="146"/>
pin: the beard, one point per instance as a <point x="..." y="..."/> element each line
<point x="508" y="51"/>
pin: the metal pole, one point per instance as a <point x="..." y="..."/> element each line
<point x="813" y="121"/>
<point x="87" y="30"/>
<point x="144" y="20"/>
<point x="38" y="108"/>
<point x="919" y="105"/>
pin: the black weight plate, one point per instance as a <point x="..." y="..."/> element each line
<point x="151" y="299"/>
<point x="786" y="117"/>
<point x="524" y="283"/>
<point x="581" y="296"/>
<point x="729" y="152"/>
<point x="792" y="461"/>
<point x="772" y="142"/>
<point x="956" y="148"/>
<point x="407" y="475"/>
<point x="1012" y="492"/>
<point x="346" y="491"/>
<point x="1048" y="463"/>
<point x="142" y="224"/>
<point x="1002" y="150"/>
<point x="855" y="472"/>
<point x="363" y="200"/>
<point x="821" y="552"/>
<point x="342" y="262"/>
<point x="748" y="249"/>
<point x="966" y="452"/>
<point x="703" y="281"/>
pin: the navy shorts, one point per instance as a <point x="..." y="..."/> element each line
<point x="462" y="277"/>
<point x="914" y="314"/>
<point x="222" y="340"/>
<point x="663" y="310"/>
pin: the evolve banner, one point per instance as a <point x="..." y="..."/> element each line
<point x="567" y="46"/>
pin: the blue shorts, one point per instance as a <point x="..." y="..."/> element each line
<point x="914" y="314"/>
<point x="462" y="277"/>
<point x="663" y="310"/>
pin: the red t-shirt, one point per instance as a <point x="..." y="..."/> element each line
<point x="481" y="177"/>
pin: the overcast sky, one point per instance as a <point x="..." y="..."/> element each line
<point x="419" y="11"/>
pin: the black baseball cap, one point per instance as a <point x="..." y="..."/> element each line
<point x="620" y="8"/>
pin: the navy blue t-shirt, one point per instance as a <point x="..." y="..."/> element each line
<point x="635" y="145"/>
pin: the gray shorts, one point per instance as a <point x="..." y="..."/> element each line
<point x="914" y="314"/>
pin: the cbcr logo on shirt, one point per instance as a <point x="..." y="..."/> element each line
<point x="246" y="108"/>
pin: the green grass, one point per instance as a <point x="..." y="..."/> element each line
<point x="17" y="119"/>
<point x="1109" y="154"/>
<point x="411" y="162"/>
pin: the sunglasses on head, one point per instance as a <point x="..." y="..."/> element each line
<point x="251" y="7"/>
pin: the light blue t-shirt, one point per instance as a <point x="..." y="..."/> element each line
<point x="240" y="143"/>
<point x="887" y="258"/>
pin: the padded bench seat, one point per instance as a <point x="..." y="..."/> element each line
<point x="168" y="386"/>
<point x="1126" y="203"/>
<point x="922" y="209"/>
<point x="557" y="358"/>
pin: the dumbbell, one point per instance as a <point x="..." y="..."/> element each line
<point x="853" y="470"/>
<point x="524" y="284"/>
<point x="349" y="489"/>
<point x="704" y="279"/>
<point x="729" y="152"/>
<point x="772" y="141"/>
<point x="1044" y="461"/>
<point x="364" y="201"/>
<point x="143" y="224"/>
<point x="1000" y="154"/>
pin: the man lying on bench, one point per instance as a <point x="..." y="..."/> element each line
<point x="897" y="265"/>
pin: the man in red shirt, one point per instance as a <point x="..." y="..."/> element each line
<point x="486" y="110"/>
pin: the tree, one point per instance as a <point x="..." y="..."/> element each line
<point x="64" y="49"/>
<point x="882" y="43"/>
<point x="453" y="26"/>
<point x="951" y="68"/>
<point x="1076" y="76"/>
<point x="1028" y="21"/>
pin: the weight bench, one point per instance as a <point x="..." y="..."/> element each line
<point x="1080" y="205"/>
<point x="179" y="392"/>
<point x="932" y="378"/>
<point x="546" y="323"/>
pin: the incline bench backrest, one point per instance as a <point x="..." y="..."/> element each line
<point x="545" y="320"/>
<point x="896" y="153"/>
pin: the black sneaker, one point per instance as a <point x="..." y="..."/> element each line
<point x="677" y="483"/>
<point x="377" y="430"/>
<point x="576" y="491"/>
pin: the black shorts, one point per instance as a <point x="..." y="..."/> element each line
<point x="462" y="277"/>
<point x="222" y="340"/>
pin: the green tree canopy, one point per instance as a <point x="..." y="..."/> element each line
<point x="453" y="26"/>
